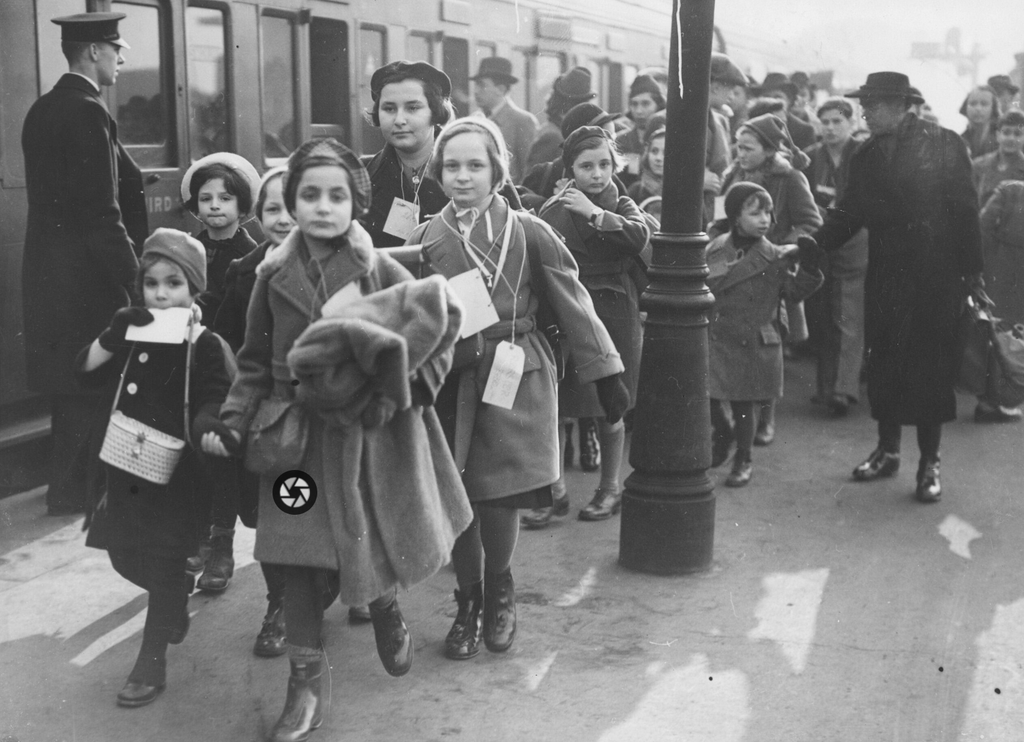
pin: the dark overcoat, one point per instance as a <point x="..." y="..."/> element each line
<point x="238" y="284"/>
<point x="1002" y="230"/>
<point x="912" y="189"/>
<point x="79" y="261"/>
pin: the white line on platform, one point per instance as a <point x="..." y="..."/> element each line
<point x="579" y="592"/>
<point x="994" y="710"/>
<point x="960" y="534"/>
<point x="788" y="612"/>
<point x="690" y="703"/>
<point x="132" y="626"/>
<point x="535" y="674"/>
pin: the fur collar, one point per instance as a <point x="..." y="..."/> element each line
<point x="357" y="240"/>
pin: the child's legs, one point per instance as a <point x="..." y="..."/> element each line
<point x="468" y="555"/>
<point x="499" y="532"/>
<point x="613" y="442"/>
<point x="720" y="425"/>
<point x="743" y="419"/>
<point x="275" y="575"/>
<point x="304" y="592"/>
<point x="564" y="430"/>
<point x="220" y="478"/>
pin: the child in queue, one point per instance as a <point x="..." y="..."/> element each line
<point x="219" y="190"/>
<point x="390" y="503"/>
<point x="748" y="275"/>
<point x="509" y="265"/>
<point x="148" y="528"/>
<point x="646" y="192"/>
<point x="604" y="232"/>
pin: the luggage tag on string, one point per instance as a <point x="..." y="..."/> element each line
<point x="472" y="291"/>
<point x="404" y="216"/>
<point x="509" y="359"/>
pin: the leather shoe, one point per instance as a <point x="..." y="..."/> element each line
<point x="394" y="642"/>
<point x="604" y="505"/>
<point x="929" y="488"/>
<point x="135" y="694"/>
<point x="303" y="707"/>
<point x="986" y="413"/>
<point x="839" y="405"/>
<point x="877" y="465"/>
<point x="742" y="470"/>
<point x="463" y="640"/>
<point x="540" y="517"/>
<point x="765" y="434"/>
<point x="197" y="562"/>
<point x="270" y="642"/>
<point x="499" y="611"/>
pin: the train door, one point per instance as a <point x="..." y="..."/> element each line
<point x="145" y="103"/>
<point x="330" y="75"/>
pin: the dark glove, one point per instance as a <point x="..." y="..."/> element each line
<point x="113" y="337"/>
<point x="809" y="253"/>
<point x="613" y="396"/>
<point x="208" y="422"/>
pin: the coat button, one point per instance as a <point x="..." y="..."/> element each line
<point x="143" y="357"/>
<point x="132" y="388"/>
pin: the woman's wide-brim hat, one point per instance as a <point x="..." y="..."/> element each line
<point x="418" y="70"/>
<point x="887" y="85"/>
<point x="229" y="159"/>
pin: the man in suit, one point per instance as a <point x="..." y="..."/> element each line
<point x="79" y="261"/>
<point x="519" y="127"/>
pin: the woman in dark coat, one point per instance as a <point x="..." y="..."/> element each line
<point x="910" y="185"/>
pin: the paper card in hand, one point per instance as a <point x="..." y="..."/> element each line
<point x="168" y="326"/>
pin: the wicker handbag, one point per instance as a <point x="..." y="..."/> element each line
<point x="141" y="449"/>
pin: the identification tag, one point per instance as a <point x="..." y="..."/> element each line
<point x="403" y="218"/>
<point x="480" y="312"/>
<point x="506" y="373"/>
<point x="169" y="326"/>
<point x="632" y="163"/>
<point x="343" y="297"/>
<point x="719" y="208"/>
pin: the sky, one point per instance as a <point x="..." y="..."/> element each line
<point x="860" y="36"/>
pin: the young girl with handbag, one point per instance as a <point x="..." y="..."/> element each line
<point x="147" y="518"/>
<point x="499" y="405"/>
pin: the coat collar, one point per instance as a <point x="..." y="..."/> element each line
<point x="438" y="238"/>
<point x="78" y="82"/>
<point x="755" y="262"/>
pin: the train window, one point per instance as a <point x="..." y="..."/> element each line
<point x="328" y="68"/>
<point x="280" y="135"/>
<point x="372" y="55"/>
<point x="143" y="97"/>
<point x="206" y="52"/>
<point x="456" y="64"/>
<point x="520" y="92"/>
<point x="51" y="61"/>
<point x="419" y="47"/>
<point x="547" y="67"/>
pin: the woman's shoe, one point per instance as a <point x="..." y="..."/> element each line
<point x="270" y="642"/>
<point x="742" y="470"/>
<point x="145" y="682"/>
<point x="134" y="694"/>
<point x="877" y="465"/>
<point x="394" y="642"/>
<point x="765" y="434"/>
<point x="463" y="641"/>
<point x="604" y="505"/>
<point x="220" y="567"/>
<point x="499" y="611"/>
<point x="303" y="709"/>
<point x="540" y="517"/>
<point x="929" y="487"/>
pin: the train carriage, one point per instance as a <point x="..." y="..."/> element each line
<point x="259" y="78"/>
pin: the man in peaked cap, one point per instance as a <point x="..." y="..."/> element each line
<point x="491" y="87"/>
<point x="568" y="90"/>
<point x="79" y="260"/>
<point x="910" y="186"/>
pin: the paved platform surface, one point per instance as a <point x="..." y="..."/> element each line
<point x="833" y="611"/>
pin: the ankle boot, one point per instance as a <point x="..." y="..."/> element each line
<point x="499" y="611"/>
<point x="197" y="562"/>
<point x="220" y="567"/>
<point x="270" y="642"/>
<point x="303" y="708"/>
<point x="463" y="641"/>
<point x="394" y="642"/>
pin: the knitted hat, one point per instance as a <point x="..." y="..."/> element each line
<point x="183" y="250"/>
<point x="230" y="160"/>
<point x="773" y="133"/>
<point x="585" y="114"/>
<point x="267" y="177"/>
<point x="585" y="137"/>
<point x="656" y="125"/>
<point x="723" y="70"/>
<point x="646" y="84"/>
<point x="317" y="152"/>
<point x="737" y="195"/>
<point x="575" y="85"/>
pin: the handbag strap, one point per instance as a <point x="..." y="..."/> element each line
<point x="188" y="378"/>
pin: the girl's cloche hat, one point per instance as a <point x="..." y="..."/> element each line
<point x="183" y="250"/>
<point x="230" y="160"/>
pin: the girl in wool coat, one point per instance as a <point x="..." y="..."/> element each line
<point x="389" y="503"/>
<point x="148" y="528"/>
<point x="748" y="275"/>
<point x="510" y="268"/>
<point x="605" y="233"/>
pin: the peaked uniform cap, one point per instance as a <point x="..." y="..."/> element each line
<point x="498" y="69"/>
<point x="91" y="28"/>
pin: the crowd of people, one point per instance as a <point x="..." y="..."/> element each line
<point x="430" y="412"/>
